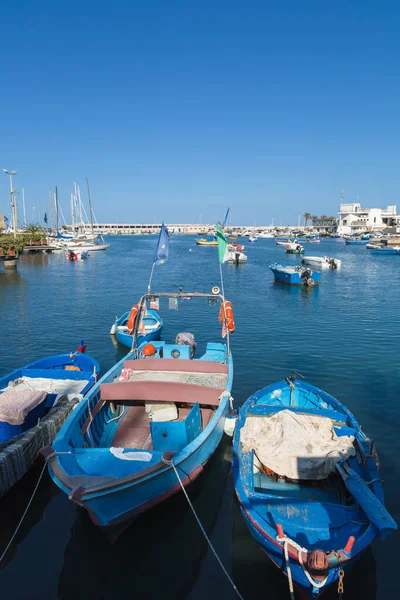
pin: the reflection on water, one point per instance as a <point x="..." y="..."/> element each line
<point x="343" y="336"/>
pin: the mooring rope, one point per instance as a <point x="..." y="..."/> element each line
<point x="26" y="509"/>
<point x="171" y="463"/>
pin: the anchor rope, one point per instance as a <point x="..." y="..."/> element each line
<point x="285" y="540"/>
<point x="171" y="463"/>
<point x="27" y="508"/>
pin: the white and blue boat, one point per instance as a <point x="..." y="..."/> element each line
<point x="356" y="241"/>
<point x="35" y="400"/>
<point x="149" y="426"/>
<point x="308" y="484"/>
<point x="295" y="275"/>
<point x="383" y="250"/>
<point x="123" y="327"/>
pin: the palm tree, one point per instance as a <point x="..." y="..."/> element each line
<point x="32" y="228"/>
<point x="306" y="217"/>
<point x="314" y="219"/>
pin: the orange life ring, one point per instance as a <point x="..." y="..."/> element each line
<point x="227" y="312"/>
<point x="132" y="317"/>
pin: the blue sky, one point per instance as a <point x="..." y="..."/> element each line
<point x="178" y="109"/>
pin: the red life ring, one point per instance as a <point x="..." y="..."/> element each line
<point x="227" y="312"/>
<point x="132" y="318"/>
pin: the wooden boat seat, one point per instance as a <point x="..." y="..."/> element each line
<point x="160" y="391"/>
<point x="174" y="364"/>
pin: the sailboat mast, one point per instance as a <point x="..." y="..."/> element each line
<point x="23" y="206"/>
<point x="90" y="206"/>
<point x="57" y="210"/>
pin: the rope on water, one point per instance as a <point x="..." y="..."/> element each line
<point x="26" y="509"/>
<point x="239" y="595"/>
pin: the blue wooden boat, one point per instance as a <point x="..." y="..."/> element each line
<point x="159" y="409"/>
<point x="295" y="275"/>
<point x="152" y="323"/>
<point x="356" y="241"/>
<point x="386" y="250"/>
<point x="35" y="400"/>
<point x="323" y="522"/>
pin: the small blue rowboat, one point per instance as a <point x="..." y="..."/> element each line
<point x="157" y="415"/>
<point x="152" y="323"/>
<point x="307" y="481"/>
<point x="386" y="250"/>
<point x="295" y="275"/>
<point x="35" y="400"/>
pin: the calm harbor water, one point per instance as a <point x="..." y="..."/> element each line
<point x="343" y="336"/>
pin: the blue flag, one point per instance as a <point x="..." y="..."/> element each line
<point x="161" y="255"/>
<point x="5" y="219"/>
<point x="45" y="218"/>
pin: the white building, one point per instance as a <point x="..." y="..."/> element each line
<point x="355" y="219"/>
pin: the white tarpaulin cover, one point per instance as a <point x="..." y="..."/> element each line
<point x="297" y="446"/>
<point x="15" y="405"/>
<point x="51" y="386"/>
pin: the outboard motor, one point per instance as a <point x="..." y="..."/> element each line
<point x="332" y="263"/>
<point x="306" y="274"/>
<point x="187" y="339"/>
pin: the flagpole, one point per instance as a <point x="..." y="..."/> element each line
<point x="151" y="277"/>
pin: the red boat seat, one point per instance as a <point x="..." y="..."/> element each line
<point x="173" y="364"/>
<point x="160" y="391"/>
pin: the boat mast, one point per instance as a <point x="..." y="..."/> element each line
<point x="23" y="206"/>
<point x="57" y="210"/>
<point x="90" y="206"/>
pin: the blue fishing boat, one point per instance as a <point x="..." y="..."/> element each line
<point x="123" y="327"/>
<point x="35" y="400"/>
<point x="149" y="425"/>
<point x="356" y="241"/>
<point x="295" y="275"/>
<point x="385" y="250"/>
<point x="307" y="481"/>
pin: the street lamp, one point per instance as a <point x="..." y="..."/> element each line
<point x="12" y="192"/>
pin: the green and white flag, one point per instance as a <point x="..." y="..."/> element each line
<point x="222" y="244"/>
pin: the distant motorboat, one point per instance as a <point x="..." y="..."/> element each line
<point x="266" y="235"/>
<point x="295" y="275"/>
<point x="355" y="241"/>
<point x="322" y="262"/>
<point x="253" y="238"/>
<point x="211" y="241"/>
<point x="235" y="255"/>
<point x="79" y="255"/>
<point x="294" y="248"/>
<point x="386" y="250"/>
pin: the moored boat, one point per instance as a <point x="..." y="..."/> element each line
<point x="148" y="426"/>
<point x="356" y="241"/>
<point x="322" y="262"/>
<point x="308" y="484"/>
<point x="150" y="328"/>
<point x="385" y="250"/>
<point x="295" y="275"/>
<point x="210" y="241"/>
<point x="294" y="248"/>
<point x="78" y="255"/>
<point x="235" y="255"/>
<point x="35" y="400"/>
